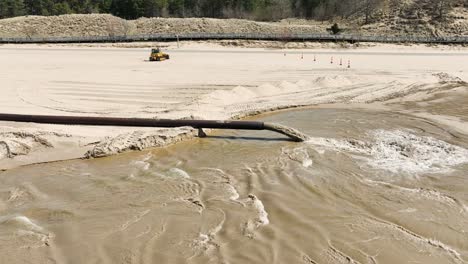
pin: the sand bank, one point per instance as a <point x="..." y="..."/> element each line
<point x="202" y="81"/>
<point x="397" y="23"/>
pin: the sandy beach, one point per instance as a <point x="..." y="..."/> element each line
<point x="201" y="81"/>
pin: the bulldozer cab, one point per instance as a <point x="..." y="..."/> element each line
<point x="155" y="51"/>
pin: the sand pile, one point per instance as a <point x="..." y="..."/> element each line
<point x="108" y="25"/>
<point x="64" y="26"/>
<point x="460" y="22"/>
<point x="392" y="18"/>
<point x="419" y="22"/>
<point x="210" y="25"/>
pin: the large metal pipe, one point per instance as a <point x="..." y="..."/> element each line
<point x="147" y="122"/>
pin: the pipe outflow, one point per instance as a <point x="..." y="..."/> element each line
<point x="147" y="122"/>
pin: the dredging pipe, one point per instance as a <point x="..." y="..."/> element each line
<point x="147" y="122"/>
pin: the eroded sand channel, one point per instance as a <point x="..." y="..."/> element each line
<point x="367" y="185"/>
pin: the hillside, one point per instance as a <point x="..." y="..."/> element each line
<point x="388" y="21"/>
<point x="418" y="17"/>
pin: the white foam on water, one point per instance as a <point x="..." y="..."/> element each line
<point x="307" y="163"/>
<point x="141" y="164"/>
<point x="400" y="151"/>
<point x="259" y="208"/>
<point x="222" y="179"/>
<point x="147" y="157"/>
<point x="234" y="195"/>
<point x="300" y="155"/>
<point x="262" y="213"/>
<point x="22" y="222"/>
<point x="206" y="242"/>
<point x="259" y="215"/>
<point x="178" y="173"/>
<point x="403" y="151"/>
<point x="202" y="240"/>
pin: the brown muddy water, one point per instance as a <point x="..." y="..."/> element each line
<point x="369" y="187"/>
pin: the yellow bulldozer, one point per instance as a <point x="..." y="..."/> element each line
<point x="158" y="55"/>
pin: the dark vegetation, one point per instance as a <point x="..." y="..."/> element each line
<point x="265" y="10"/>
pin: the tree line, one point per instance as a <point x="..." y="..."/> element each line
<point x="267" y="10"/>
